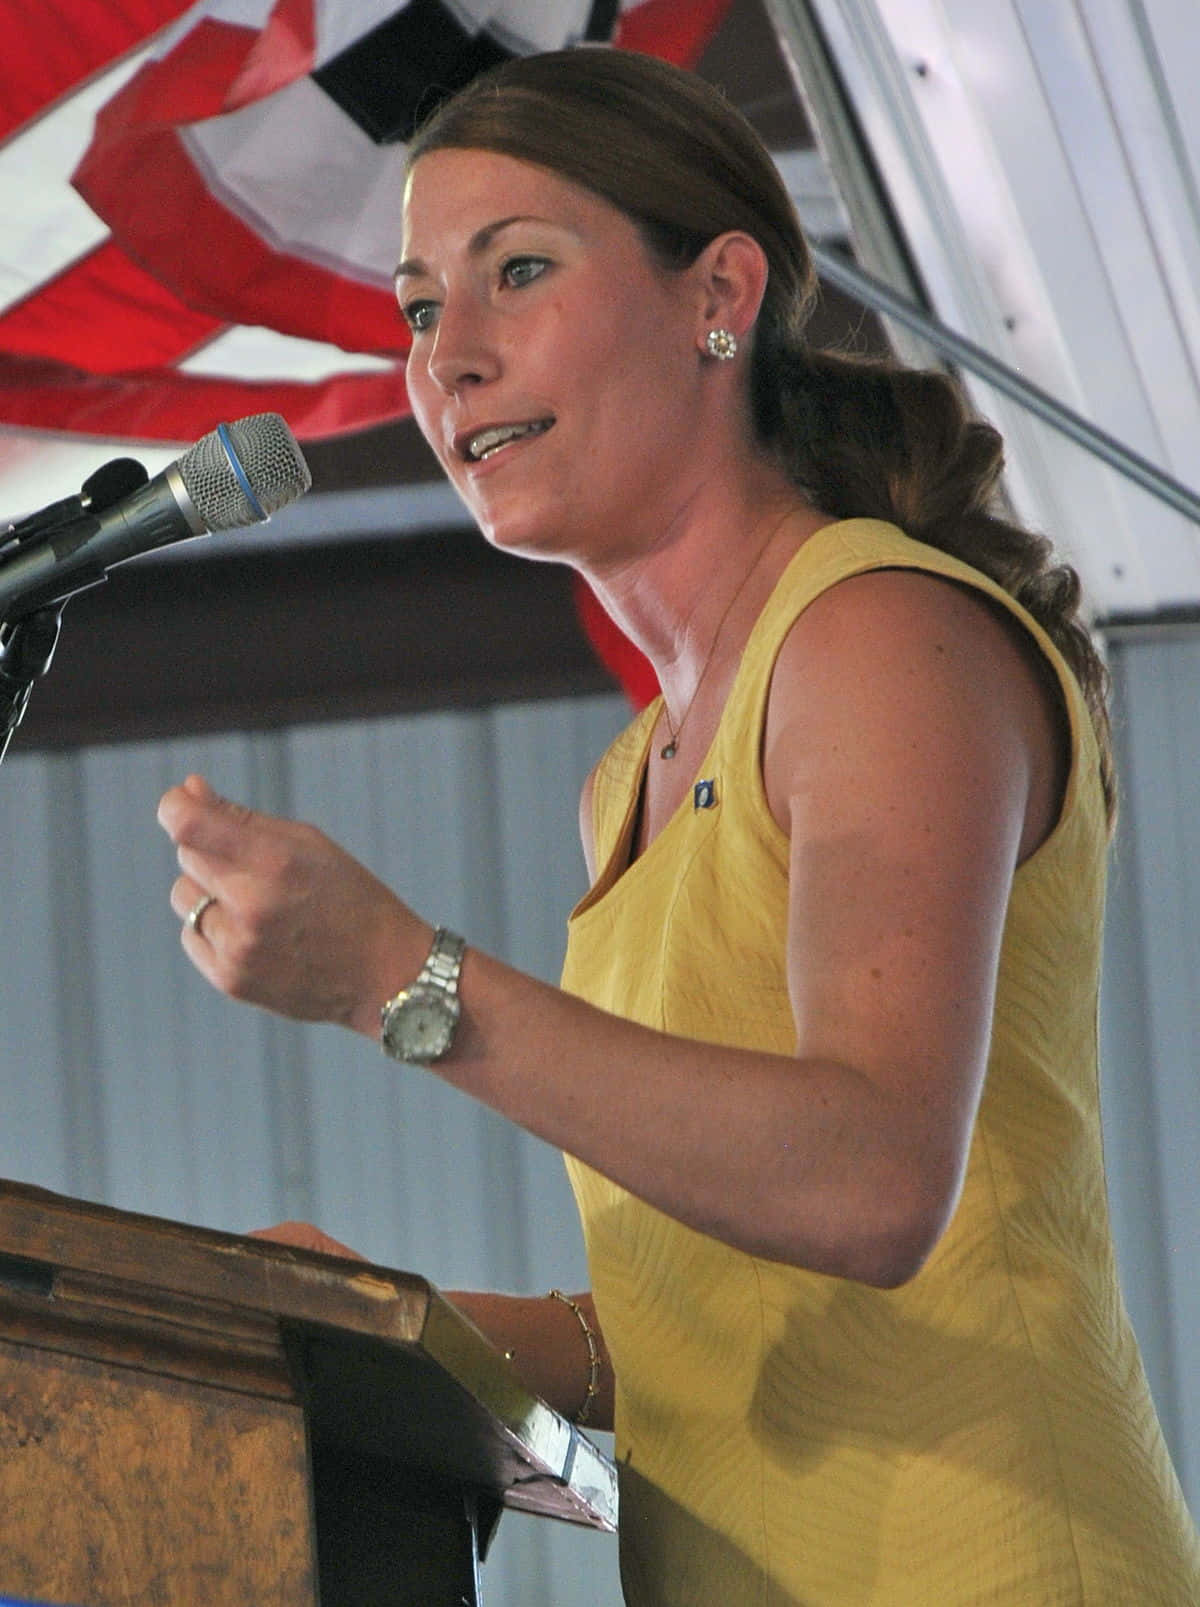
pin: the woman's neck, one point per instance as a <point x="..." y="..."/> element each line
<point x="689" y="602"/>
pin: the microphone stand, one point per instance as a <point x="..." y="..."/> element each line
<point x="26" y="651"/>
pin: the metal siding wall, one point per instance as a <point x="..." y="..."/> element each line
<point x="124" y="1078"/>
<point x="1151" y="1025"/>
<point x="1041" y="158"/>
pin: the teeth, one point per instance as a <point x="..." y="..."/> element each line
<point x="489" y="441"/>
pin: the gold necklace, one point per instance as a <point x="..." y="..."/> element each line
<point x="671" y="747"/>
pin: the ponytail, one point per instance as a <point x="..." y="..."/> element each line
<point x="865" y="438"/>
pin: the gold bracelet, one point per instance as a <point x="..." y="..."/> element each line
<point x="593" y="1349"/>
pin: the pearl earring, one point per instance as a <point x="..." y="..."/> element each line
<point x="721" y="344"/>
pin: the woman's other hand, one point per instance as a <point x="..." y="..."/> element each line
<point x="303" y="1236"/>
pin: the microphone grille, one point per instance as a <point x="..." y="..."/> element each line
<point x="269" y="458"/>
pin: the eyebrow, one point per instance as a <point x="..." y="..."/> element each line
<point x="413" y="267"/>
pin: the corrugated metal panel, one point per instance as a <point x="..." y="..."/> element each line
<point x="1041" y="159"/>
<point x="1151" y="1022"/>
<point x="124" y="1078"/>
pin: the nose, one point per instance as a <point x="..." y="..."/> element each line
<point x="463" y="352"/>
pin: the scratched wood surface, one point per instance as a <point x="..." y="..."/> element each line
<point x="125" y="1487"/>
<point x="177" y="1403"/>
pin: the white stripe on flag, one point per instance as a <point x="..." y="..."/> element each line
<point x="303" y="176"/>
<point x="46" y="225"/>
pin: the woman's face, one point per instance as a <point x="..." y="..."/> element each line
<point x="555" y="367"/>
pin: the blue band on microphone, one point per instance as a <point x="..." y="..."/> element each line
<point x="256" y="507"/>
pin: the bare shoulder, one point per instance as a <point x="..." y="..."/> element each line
<point x="885" y="610"/>
<point x="901" y="671"/>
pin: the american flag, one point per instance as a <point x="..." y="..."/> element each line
<point x="203" y="202"/>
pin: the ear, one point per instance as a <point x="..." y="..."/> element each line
<point x="731" y="280"/>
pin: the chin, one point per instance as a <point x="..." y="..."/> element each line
<point x="524" y="538"/>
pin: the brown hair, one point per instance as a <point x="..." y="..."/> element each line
<point x="862" y="437"/>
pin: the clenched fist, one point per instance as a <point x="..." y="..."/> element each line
<point x="282" y="917"/>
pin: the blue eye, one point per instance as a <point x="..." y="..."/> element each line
<point x="419" y="315"/>
<point x="520" y="271"/>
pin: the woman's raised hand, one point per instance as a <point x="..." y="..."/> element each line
<point x="276" y="914"/>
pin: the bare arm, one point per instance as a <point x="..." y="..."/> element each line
<point x="549" y="1350"/>
<point x="905" y="747"/>
<point x="540" y="1336"/>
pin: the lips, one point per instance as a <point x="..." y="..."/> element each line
<point x="477" y="445"/>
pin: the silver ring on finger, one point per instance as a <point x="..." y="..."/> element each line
<point x="196" y="914"/>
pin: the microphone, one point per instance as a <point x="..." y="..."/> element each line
<point x="107" y="485"/>
<point x="238" y="475"/>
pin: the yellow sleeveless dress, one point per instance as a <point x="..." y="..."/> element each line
<point x="982" y="1435"/>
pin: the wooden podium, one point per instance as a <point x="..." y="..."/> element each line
<point x="197" y="1419"/>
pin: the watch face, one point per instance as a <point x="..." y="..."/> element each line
<point x="420" y="1027"/>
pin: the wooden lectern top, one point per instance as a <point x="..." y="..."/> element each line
<point x="385" y="1367"/>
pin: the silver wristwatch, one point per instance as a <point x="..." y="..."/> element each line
<point x="418" y="1025"/>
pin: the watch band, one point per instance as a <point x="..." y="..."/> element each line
<point x="441" y="969"/>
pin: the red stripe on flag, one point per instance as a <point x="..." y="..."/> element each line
<point x="165" y="405"/>
<point x="105" y="315"/>
<point x="677" y="33"/>
<point x="285" y="49"/>
<point x="52" y="45"/>
<point x="188" y="84"/>
<point x="159" y="206"/>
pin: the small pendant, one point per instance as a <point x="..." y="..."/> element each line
<point x="669" y="751"/>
